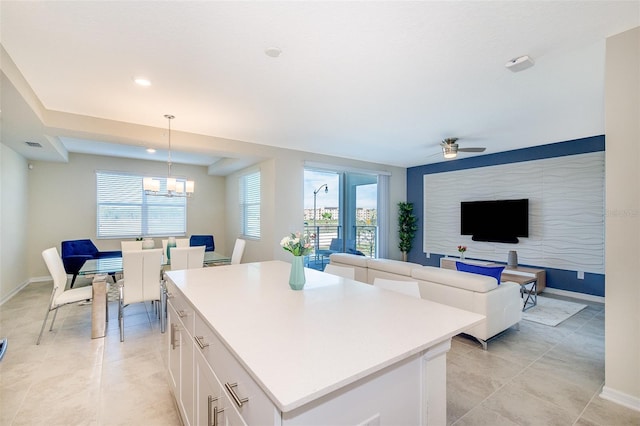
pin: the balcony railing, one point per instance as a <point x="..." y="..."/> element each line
<point x="366" y="237"/>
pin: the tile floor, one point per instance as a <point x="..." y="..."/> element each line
<point x="538" y="375"/>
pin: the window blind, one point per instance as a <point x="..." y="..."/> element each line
<point x="249" y="186"/>
<point x="125" y="211"/>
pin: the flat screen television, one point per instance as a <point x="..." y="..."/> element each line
<point x="498" y="221"/>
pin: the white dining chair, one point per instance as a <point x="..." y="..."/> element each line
<point x="409" y="288"/>
<point x="187" y="257"/>
<point x="180" y="242"/>
<point x="341" y="271"/>
<point x="238" y="251"/>
<point x="140" y="282"/>
<point x="60" y="296"/>
<point x="130" y="245"/>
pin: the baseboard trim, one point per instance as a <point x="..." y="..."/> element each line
<point x="574" y="294"/>
<point x="620" y="398"/>
<point x="22" y="286"/>
<point x="14" y="292"/>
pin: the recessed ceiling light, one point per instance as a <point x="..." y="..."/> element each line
<point x="141" y="81"/>
<point x="151" y="150"/>
<point x="273" y="52"/>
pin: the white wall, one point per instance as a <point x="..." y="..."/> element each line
<point x="566" y="210"/>
<point x="14" y="227"/>
<point x="62" y="203"/>
<point x="622" y="318"/>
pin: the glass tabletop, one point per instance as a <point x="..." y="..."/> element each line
<point x="110" y="265"/>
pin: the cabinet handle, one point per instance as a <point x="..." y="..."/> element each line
<point x="236" y="399"/>
<point x="181" y="313"/>
<point x="174" y="328"/>
<point x="200" y="342"/>
<point x="212" y="414"/>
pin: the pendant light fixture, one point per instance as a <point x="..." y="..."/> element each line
<point x="175" y="188"/>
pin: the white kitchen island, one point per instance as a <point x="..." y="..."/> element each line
<point x="246" y="349"/>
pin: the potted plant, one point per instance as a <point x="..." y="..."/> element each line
<point x="406" y="227"/>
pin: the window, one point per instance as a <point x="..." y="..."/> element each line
<point x="125" y="211"/>
<point x="250" y="205"/>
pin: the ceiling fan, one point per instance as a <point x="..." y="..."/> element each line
<point x="450" y="148"/>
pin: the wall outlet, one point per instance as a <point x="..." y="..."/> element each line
<point x="428" y="255"/>
<point x="581" y="275"/>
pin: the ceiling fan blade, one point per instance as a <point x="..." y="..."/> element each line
<point x="471" y="149"/>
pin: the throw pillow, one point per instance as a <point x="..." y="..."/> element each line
<point x="490" y="271"/>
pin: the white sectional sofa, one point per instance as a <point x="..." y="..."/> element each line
<point x="500" y="304"/>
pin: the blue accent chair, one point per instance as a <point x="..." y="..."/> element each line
<point x="203" y="240"/>
<point x="336" y="247"/>
<point x="76" y="252"/>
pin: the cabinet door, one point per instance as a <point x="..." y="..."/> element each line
<point x="208" y="392"/>
<point x="213" y="408"/>
<point x="173" y="356"/>
<point x="180" y="361"/>
<point x="187" y="371"/>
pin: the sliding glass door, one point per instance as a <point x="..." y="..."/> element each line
<point x="341" y="210"/>
<point x="362" y="213"/>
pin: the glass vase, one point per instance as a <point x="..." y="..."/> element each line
<point x="296" y="277"/>
<point x="171" y="242"/>
<point x="461" y="255"/>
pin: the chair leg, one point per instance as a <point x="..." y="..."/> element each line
<point x="53" y="293"/>
<point x="43" y="324"/>
<point x="121" y="313"/>
<point x="55" y="314"/>
<point x="73" y="280"/>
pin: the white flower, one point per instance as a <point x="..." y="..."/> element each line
<point x="297" y="244"/>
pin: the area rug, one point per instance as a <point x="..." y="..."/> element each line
<point x="552" y="312"/>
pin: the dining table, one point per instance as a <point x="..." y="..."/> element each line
<point x="113" y="265"/>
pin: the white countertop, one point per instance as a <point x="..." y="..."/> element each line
<point x="301" y="345"/>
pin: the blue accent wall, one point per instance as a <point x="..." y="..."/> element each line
<point x="592" y="284"/>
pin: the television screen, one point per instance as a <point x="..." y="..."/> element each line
<point x="499" y="221"/>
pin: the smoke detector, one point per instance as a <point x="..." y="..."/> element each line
<point x="519" y="63"/>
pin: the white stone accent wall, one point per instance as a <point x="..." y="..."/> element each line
<point x="566" y="211"/>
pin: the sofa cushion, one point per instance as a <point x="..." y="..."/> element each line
<point x="490" y="271"/>
<point x="459" y="279"/>
<point x="348" y="259"/>
<point x="392" y="266"/>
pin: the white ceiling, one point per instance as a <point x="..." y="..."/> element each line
<point x="377" y="81"/>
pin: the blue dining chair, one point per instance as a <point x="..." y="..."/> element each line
<point x="203" y="240"/>
<point x="76" y="252"/>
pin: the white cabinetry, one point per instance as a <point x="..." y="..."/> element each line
<point x="201" y="398"/>
<point x="180" y="360"/>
